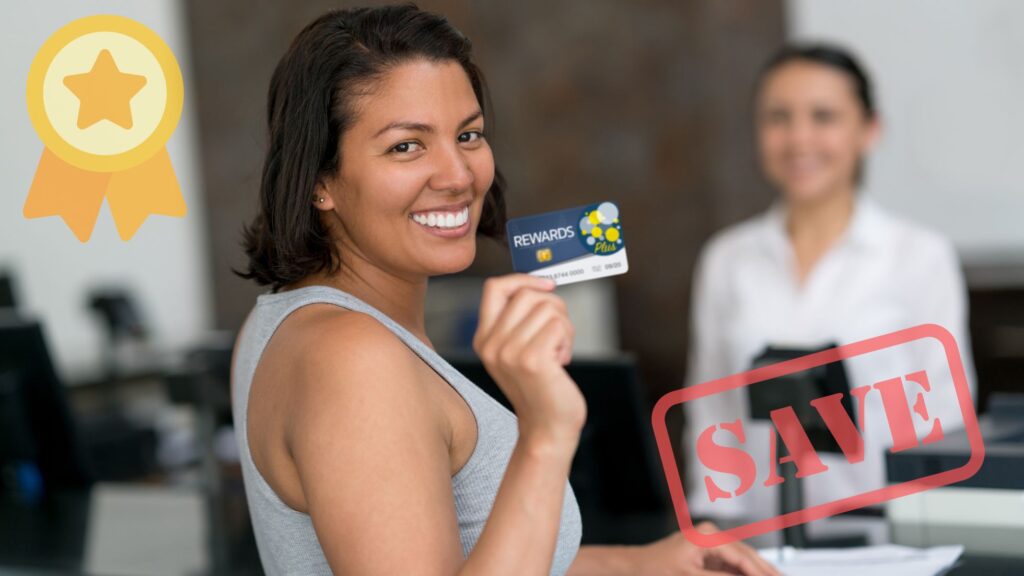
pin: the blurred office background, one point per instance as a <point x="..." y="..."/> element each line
<point x="646" y="104"/>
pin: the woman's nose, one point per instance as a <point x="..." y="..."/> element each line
<point x="452" y="171"/>
<point x="801" y="131"/>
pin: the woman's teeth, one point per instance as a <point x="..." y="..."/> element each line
<point x="442" y="219"/>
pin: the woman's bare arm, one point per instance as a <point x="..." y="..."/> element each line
<point x="371" y="454"/>
<point x="374" y="465"/>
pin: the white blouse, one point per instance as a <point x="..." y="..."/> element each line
<point x="882" y="275"/>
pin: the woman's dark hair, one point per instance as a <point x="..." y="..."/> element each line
<point x="827" y="55"/>
<point x="309" y="107"/>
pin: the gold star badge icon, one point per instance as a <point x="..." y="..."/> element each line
<point x="105" y="92"/>
<point x="98" y="68"/>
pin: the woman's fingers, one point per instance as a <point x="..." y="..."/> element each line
<point x="765" y="565"/>
<point x="498" y="291"/>
<point x="524" y="313"/>
<point x="736" y="555"/>
<point x="741" y="557"/>
<point x="519" y="306"/>
<point x="536" y="323"/>
<point x="544" y="345"/>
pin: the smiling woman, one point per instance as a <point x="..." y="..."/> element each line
<point x="334" y="68"/>
<point x="362" y="450"/>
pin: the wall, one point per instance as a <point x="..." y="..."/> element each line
<point x="949" y="83"/>
<point x="164" y="264"/>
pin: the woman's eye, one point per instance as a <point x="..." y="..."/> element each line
<point x="776" y="117"/>
<point x="406" y="147"/>
<point x="824" y="116"/>
<point x="471" y="136"/>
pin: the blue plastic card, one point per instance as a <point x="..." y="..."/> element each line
<point x="570" y="245"/>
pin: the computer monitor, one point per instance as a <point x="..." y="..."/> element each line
<point x="7" y="296"/>
<point x="36" y="426"/>
<point x="616" y="472"/>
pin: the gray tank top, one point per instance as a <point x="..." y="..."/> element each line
<point x="285" y="537"/>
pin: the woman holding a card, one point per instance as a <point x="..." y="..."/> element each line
<point x="824" y="266"/>
<point x="363" y="451"/>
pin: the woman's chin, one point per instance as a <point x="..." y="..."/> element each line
<point x="453" y="263"/>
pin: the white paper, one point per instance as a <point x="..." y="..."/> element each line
<point x="879" y="560"/>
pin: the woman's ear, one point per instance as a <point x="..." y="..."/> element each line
<point x="872" y="134"/>
<point x="321" y="196"/>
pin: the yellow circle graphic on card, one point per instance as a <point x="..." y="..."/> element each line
<point x="104" y="93"/>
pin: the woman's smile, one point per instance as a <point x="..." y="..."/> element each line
<point x="444" y="221"/>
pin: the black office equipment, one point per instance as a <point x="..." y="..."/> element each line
<point x="37" y="435"/>
<point x="119" y="313"/>
<point x="1002" y="427"/>
<point x="797" y="390"/>
<point x="8" y="298"/>
<point x="615" y="475"/>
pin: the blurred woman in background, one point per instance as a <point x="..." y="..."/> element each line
<point x="824" y="265"/>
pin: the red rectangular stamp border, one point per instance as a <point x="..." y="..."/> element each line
<point x="817" y="512"/>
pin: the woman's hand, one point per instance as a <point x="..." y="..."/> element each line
<point x="676" y="556"/>
<point x="524" y="339"/>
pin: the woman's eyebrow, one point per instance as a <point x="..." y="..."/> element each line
<point x="415" y="126"/>
<point x="421" y="127"/>
<point x="470" y="118"/>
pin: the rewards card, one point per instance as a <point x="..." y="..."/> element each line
<point x="570" y="245"/>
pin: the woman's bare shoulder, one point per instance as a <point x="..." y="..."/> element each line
<point x="328" y="374"/>
<point x="345" y="360"/>
<point x="323" y="344"/>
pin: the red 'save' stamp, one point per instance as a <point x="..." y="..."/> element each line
<point x="905" y="417"/>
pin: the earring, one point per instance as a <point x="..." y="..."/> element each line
<point x="321" y="199"/>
